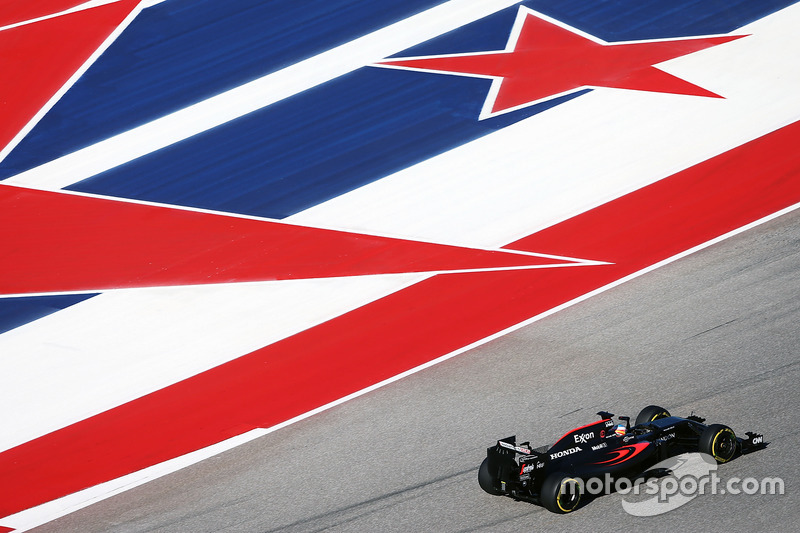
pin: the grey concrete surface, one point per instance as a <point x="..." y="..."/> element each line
<point x="715" y="333"/>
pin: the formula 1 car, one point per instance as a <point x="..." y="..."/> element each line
<point x="552" y="476"/>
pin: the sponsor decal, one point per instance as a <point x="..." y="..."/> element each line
<point x="665" y="438"/>
<point x="527" y="468"/>
<point x="582" y="438"/>
<point x="564" y="453"/>
<point x="600" y="446"/>
<point x="519" y="449"/>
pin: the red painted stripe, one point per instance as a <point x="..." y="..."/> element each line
<point x="408" y="328"/>
<point x="14" y="11"/>
<point x="99" y="244"/>
<point x="36" y="60"/>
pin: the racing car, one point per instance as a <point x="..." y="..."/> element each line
<point x="551" y="476"/>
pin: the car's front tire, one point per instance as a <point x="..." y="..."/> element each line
<point x="718" y="441"/>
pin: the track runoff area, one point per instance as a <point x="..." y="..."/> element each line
<point x="605" y="181"/>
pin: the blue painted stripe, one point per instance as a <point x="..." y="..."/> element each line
<point x="372" y="122"/>
<point x="312" y="147"/>
<point x="183" y="51"/>
<point x="625" y="20"/>
<point x="15" y="312"/>
<point x="614" y="20"/>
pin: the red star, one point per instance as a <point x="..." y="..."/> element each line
<point x="545" y="59"/>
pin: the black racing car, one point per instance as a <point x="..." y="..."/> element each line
<point x="551" y="476"/>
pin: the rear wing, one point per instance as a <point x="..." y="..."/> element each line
<point x="509" y="446"/>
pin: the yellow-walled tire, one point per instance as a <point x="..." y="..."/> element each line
<point x="650" y="413"/>
<point x="561" y="493"/>
<point x="719" y="442"/>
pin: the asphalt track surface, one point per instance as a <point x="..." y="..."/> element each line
<point x="715" y="333"/>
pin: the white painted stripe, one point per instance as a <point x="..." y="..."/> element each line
<point x="585" y="152"/>
<point x="121" y="345"/>
<point x="255" y="95"/>
<point x="42" y="514"/>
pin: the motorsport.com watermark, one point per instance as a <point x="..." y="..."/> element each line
<point x="682" y="479"/>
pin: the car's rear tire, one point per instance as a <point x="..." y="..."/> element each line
<point x="650" y="413"/>
<point x="719" y="442"/>
<point x="486" y="480"/>
<point x="561" y="493"/>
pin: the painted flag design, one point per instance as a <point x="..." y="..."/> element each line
<point x="220" y="218"/>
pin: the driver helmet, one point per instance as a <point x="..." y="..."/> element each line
<point x="620" y="430"/>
